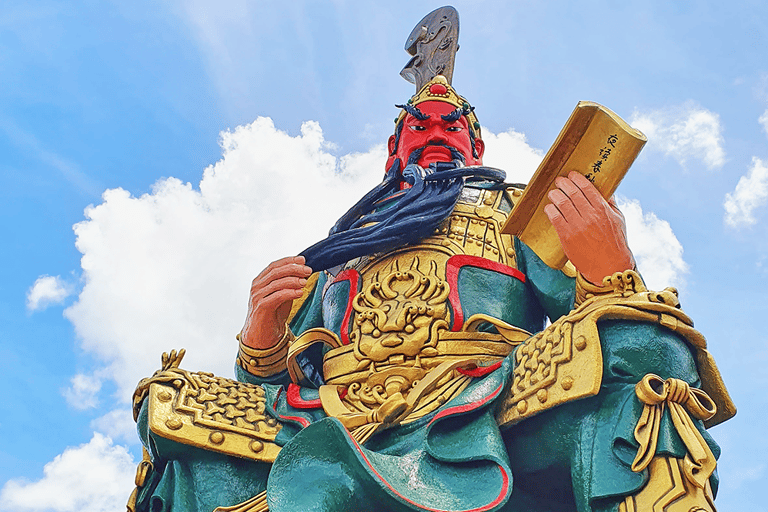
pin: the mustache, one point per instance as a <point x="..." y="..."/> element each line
<point x="416" y="153"/>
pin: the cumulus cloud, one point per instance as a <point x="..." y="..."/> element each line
<point x="118" y="424"/>
<point x="658" y="252"/>
<point x="763" y="120"/>
<point x="94" y="477"/>
<point x="83" y="391"/>
<point x="172" y="268"/>
<point x="750" y="193"/>
<point x="686" y="132"/>
<point x="47" y="290"/>
<point x="510" y="151"/>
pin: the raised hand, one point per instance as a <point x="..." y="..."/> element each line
<point x="591" y="230"/>
<point x="272" y="293"/>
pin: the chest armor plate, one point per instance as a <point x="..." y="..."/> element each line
<point x="410" y="318"/>
<point x="394" y="307"/>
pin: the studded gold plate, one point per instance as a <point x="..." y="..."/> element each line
<point x="564" y="362"/>
<point x="215" y="414"/>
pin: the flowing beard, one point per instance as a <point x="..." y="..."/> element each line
<point x="365" y="230"/>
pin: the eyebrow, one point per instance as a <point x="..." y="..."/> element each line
<point x="453" y="116"/>
<point x="414" y="111"/>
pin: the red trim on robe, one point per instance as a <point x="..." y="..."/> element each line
<point x="353" y="276"/>
<point x="452" y="267"/>
<point x="303" y="421"/>
<point x="467" y="407"/>
<point x="479" y="371"/>
<point x="293" y="397"/>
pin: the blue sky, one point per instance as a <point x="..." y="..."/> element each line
<point x="189" y="143"/>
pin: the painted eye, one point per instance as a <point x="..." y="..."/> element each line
<point x="416" y="128"/>
<point x="453" y="129"/>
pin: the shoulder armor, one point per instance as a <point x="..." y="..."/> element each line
<point x="563" y="363"/>
<point x="213" y="413"/>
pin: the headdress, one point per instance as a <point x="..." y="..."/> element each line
<point x="434" y="43"/>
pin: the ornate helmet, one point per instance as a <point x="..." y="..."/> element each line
<point x="438" y="89"/>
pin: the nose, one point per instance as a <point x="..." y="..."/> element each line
<point x="436" y="134"/>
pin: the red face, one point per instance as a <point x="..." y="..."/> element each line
<point x="432" y="135"/>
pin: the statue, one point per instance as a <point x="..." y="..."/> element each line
<point x="404" y="363"/>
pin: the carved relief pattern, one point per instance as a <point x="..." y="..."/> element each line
<point x="398" y="319"/>
<point x="553" y="367"/>
<point x="213" y="413"/>
<point x="668" y="490"/>
<point x="217" y="402"/>
<point x="536" y="361"/>
<point x="401" y="315"/>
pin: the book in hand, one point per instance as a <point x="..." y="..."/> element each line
<point x="594" y="142"/>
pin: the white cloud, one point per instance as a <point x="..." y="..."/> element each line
<point x="763" y="120"/>
<point x="510" y="151"/>
<point x="172" y="268"/>
<point x="118" y="424"/>
<point x="658" y="252"/>
<point x="686" y="132"/>
<point x="47" y="290"/>
<point x="750" y="193"/>
<point x="83" y="391"/>
<point x="93" y="477"/>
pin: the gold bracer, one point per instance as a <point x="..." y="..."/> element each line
<point x="265" y="362"/>
<point x="564" y="362"/>
<point x="586" y="290"/>
<point x="202" y="410"/>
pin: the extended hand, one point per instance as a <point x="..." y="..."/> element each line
<point x="272" y="293"/>
<point x="591" y="230"/>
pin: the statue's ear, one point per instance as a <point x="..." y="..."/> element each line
<point x="480" y="148"/>
<point x="391" y="144"/>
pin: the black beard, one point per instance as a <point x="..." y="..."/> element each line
<point x="416" y="153"/>
<point x="364" y="229"/>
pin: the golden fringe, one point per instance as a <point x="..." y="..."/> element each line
<point x="256" y="504"/>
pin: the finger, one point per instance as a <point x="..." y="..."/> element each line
<point x="587" y="188"/>
<point x="564" y="205"/>
<point x="575" y="193"/>
<point x="272" y="303"/>
<point x="287" y="269"/>
<point x="282" y="262"/>
<point x="555" y="217"/>
<point x="285" y="283"/>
